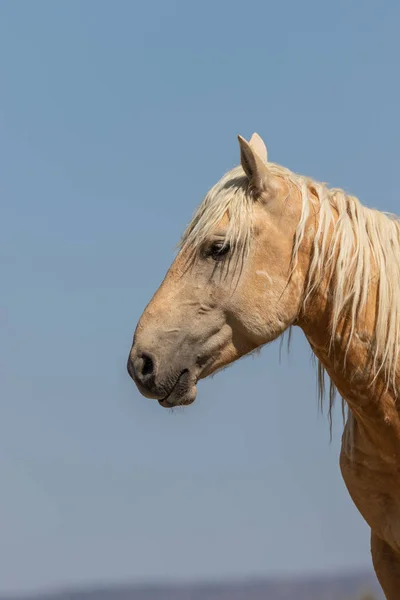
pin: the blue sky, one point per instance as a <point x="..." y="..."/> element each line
<point x="115" y="119"/>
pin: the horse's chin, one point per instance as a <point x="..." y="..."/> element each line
<point x="179" y="399"/>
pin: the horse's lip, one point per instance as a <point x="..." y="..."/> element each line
<point x="189" y="384"/>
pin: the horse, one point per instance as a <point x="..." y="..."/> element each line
<point x="269" y="249"/>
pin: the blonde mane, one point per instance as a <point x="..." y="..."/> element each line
<point x="352" y="243"/>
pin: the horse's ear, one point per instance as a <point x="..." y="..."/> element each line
<point x="257" y="143"/>
<point x="253" y="164"/>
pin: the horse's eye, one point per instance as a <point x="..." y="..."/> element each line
<point x="218" y="250"/>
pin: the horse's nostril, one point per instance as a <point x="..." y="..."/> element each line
<point x="142" y="368"/>
<point x="147" y="365"/>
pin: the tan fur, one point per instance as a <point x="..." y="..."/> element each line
<point x="299" y="254"/>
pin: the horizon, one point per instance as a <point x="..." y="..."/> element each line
<point x="365" y="577"/>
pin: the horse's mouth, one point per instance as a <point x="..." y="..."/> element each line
<point x="183" y="393"/>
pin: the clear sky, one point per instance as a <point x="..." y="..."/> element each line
<point x="115" y="119"/>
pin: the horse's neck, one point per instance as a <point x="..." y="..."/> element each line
<point x="348" y="364"/>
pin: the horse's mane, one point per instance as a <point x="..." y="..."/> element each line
<point x="352" y="243"/>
